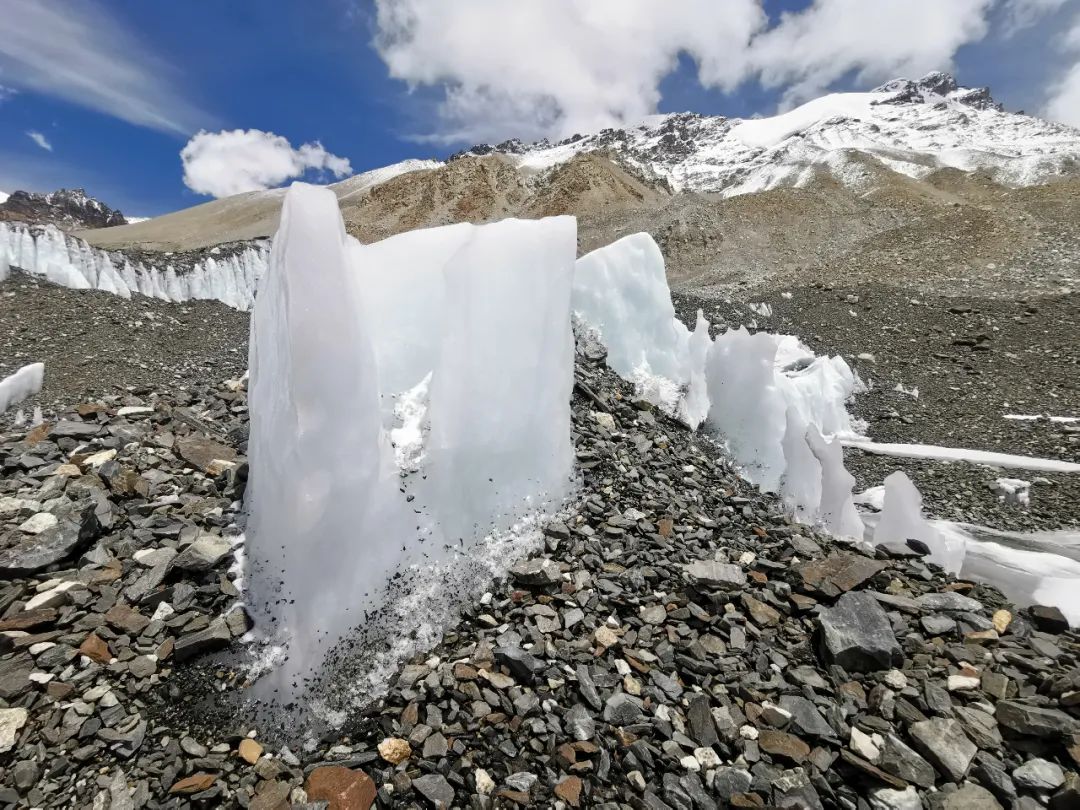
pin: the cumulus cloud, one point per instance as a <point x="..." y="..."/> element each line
<point x="1063" y="103"/>
<point x="234" y="161"/>
<point x="78" y="51"/>
<point x="39" y="139"/>
<point x="535" y="68"/>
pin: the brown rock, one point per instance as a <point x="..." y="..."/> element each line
<point x="569" y="790"/>
<point x="342" y="788"/>
<point x="249" y="751"/>
<point x="202" y="453"/>
<point x="196" y="783"/>
<point x="1002" y="619"/>
<point x="395" y="750"/>
<point x="665" y="526"/>
<point x="126" y="618"/>
<point x="782" y="744"/>
<point x="838" y="574"/>
<point x="95" y="648"/>
<point x="872" y="770"/>
<point x="30" y="619"/>
<point x="762" y="614"/>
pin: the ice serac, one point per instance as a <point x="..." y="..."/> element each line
<point x="23" y="383"/>
<point x="457" y="343"/>
<point x="901" y="520"/>
<point x="621" y="292"/>
<point x="321" y="502"/>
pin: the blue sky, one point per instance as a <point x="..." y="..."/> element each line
<point x="310" y="72"/>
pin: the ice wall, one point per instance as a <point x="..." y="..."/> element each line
<point x="68" y="261"/>
<point x="457" y="341"/>
<point x="23" y="383"/>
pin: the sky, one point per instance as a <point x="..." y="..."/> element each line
<point x="154" y="107"/>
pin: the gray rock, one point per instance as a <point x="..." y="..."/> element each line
<point x="65" y="429"/>
<point x="805" y="717"/>
<point x="944" y="743"/>
<point x="204" y="553"/>
<point x="700" y="723"/>
<point x="76" y="528"/>
<point x="538" y="571"/>
<point x="948" y="601"/>
<point x="970" y="797"/>
<point x="435" y="789"/>
<point x="1035" y="721"/>
<point x="980" y="726"/>
<point x="937" y="625"/>
<point x="11" y="720"/>
<point x="730" y="781"/>
<point x="214" y="637"/>
<point x="891" y="799"/>
<point x="714" y="574"/>
<point x="580" y="723"/>
<point x="856" y="635"/>
<point x="900" y="760"/>
<point x="622" y="709"/>
<point x="1039" y="774"/>
<point x="521" y="664"/>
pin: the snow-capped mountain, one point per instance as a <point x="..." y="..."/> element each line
<point x="66" y="208"/>
<point x="910" y="127"/>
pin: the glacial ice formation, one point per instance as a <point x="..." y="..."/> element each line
<point x="901" y="519"/>
<point x="71" y="262"/>
<point x="457" y="342"/>
<point x="23" y="383"/>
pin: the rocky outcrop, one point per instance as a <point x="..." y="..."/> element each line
<point x="69" y="209"/>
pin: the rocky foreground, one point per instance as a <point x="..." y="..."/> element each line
<point x="678" y="643"/>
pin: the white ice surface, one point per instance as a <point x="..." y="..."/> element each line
<point x="477" y="401"/>
<point x="23" y="383"/>
<point x="1022" y="417"/>
<point x="902" y="519"/>
<point x="987" y="457"/>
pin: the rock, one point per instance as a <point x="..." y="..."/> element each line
<point x="714" y="574"/>
<point x="782" y="744"/>
<point x="763" y="615"/>
<point x="538" y="571"/>
<point x="215" y="637"/>
<point x="77" y="525"/>
<point x="1039" y="774"/>
<point x="569" y="790"/>
<point x="196" y="783"/>
<point x="74" y="430"/>
<point x="945" y="745"/>
<point x="805" y="717"/>
<point x="95" y="648"/>
<point x="521" y="664"/>
<point x="341" y="788"/>
<point x="11" y="720"/>
<point x="204" y="553"/>
<point x="395" y="750"/>
<point x="701" y="726"/>
<point x="856" y="635"/>
<point x="901" y="761"/>
<point x="1034" y="721"/>
<point x="435" y="789"/>
<point x="39" y="523"/>
<point x="891" y="799"/>
<point x="622" y="709"/>
<point x="949" y="601"/>
<point x="838" y="574"/>
<point x="202" y="453"/>
<point x="580" y="723"/>
<point x="126" y="619"/>
<point x="1001" y="620"/>
<point x="249" y="750"/>
<point x="484" y="783"/>
<point x="1048" y="619"/>
<point x="30" y="619"/>
<point x="970" y="797"/>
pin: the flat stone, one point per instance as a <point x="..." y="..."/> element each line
<point x="65" y="429"/>
<point x="126" y="619"/>
<point x="715" y="574"/>
<point x="782" y="744"/>
<point x="202" y="453"/>
<point x="893" y="799"/>
<point x="970" y="797"/>
<point x="569" y="790"/>
<point x="214" y="637"/>
<point x="805" y="717"/>
<point x="11" y="720"/>
<point x="435" y="789"/>
<point x="1034" y="721"/>
<point x="538" y="571"/>
<point x="76" y="527"/>
<point x="96" y="649"/>
<point x="30" y="619"/>
<point x="763" y="615"/>
<point x="522" y="665"/>
<point x="838" y="574"/>
<point x="1039" y="774"/>
<point x="1048" y="619"/>
<point x="580" y="723"/>
<point x="945" y="745"/>
<point x="342" y="788"/>
<point x="856" y="635"/>
<point x="202" y="554"/>
<point x="39" y="523"/>
<point x="700" y="724"/>
<point x="949" y="601"/>
<point x="196" y="783"/>
<point x="903" y="762"/>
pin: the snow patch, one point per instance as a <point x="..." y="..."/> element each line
<point x="987" y="457"/>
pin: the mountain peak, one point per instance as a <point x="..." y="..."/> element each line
<point x="66" y="208"/>
<point x="935" y="87"/>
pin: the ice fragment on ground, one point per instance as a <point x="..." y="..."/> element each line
<point x="901" y="520"/>
<point x="963" y="454"/>
<point x="23" y="383"/>
<point x="1013" y="490"/>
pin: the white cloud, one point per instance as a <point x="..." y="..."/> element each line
<point x="533" y="68"/>
<point x="1021" y="14"/>
<point x="76" y="50"/>
<point x="1063" y="102"/>
<point x="39" y="139"/>
<point x="239" y="160"/>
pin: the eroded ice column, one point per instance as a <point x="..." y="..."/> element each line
<point x="323" y="510"/>
<point x="902" y="519"/>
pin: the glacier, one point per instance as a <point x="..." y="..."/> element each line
<point x="456" y="341"/>
<point x="49" y="253"/>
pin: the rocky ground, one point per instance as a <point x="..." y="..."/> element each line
<point x="676" y="643"/>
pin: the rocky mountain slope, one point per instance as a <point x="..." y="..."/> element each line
<point x="70" y="209"/>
